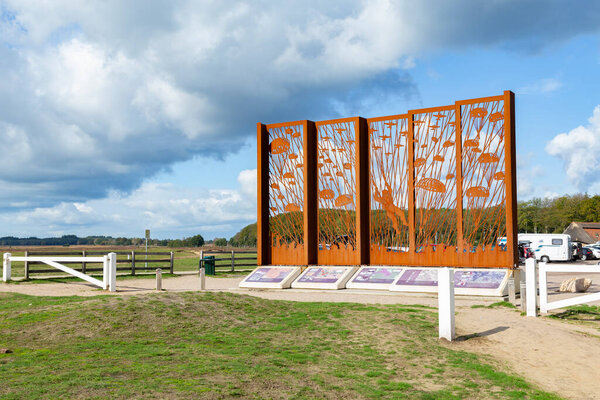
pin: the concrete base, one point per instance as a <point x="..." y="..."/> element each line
<point x="271" y="277"/>
<point x="374" y="277"/>
<point x="326" y="277"/>
<point x="467" y="281"/>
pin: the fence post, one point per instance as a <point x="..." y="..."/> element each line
<point x="6" y="267"/>
<point x="112" y="283"/>
<point x="543" y="281"/>
<point x="202" y="279"/>
<point x="26" y="265"/>
<point x="447" y="329"/>
<point x="232" y="260"/>
<point x="512" y="293"/>
<point x="530" y="267"/>
<point x="158" y="279"/>
<point x="83" y="264"/>
<point x="132" y="262"/>
<point x="171" y="264"/>
<point x="105" y="273"/>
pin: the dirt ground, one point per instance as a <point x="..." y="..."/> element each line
<point x="555" y="355"/>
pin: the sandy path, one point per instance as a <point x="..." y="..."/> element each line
<point x="556" y="356"/>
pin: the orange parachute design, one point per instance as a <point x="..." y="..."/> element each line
<point x="431" y="185"/>
<point x="327" y="194"/>
<point x="280" y="145"/>
<point x="419" y="162"/>
<point x="478" y="112"/>
<point x="497" y="116"/>
<point x="477" y="191"/>
<point x="499" y="176"/>
<point x="292" y="207"/>
<point x="488" y="158"/>
<point x="343" y="200"/>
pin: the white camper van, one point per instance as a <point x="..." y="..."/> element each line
<point x="548" y="246"/>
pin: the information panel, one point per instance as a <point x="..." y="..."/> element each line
<point x="374" y="278"/>
<point x="466" y="281"/>
<point x="324" y="278"/>
<point x="271" y="277"/>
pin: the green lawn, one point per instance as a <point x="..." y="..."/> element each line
<point x="223" y="345"/>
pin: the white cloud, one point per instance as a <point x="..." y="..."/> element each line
<point x="579" y="149"/>
<point x="169" y="211"/>
<point x="97" y="96"/>
<point x="543" y="86"/>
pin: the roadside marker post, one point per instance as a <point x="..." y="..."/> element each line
<point x="6" y="267"/>
<point x="112" y="272"/>
<point x="158" y="279"/>
<point x="530" y="280"/>
<point x="447" y="329"/>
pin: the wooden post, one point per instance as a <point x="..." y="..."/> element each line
<point x="523" y="296"/>
<point x="6" y="270"/>
<point x="530" y="280"/>
<point x="202" y="279"/>
<point x="171" y="264"/>
<point x="446" y="303"/>
<point x="512" y="294"/>
<point x="26" y="265"/>
<point x="232" y="261"/>
<point x="262" y="226"/>
<point x="363" y="193"/>
<point x="159" y="279"/>
<point x="112" y="272"/>
<point x="510" y="169"/>
<point x="83" y="263"/>
<point x="132" y="262"/>
<point x="201" y="263"/>
<point x="311" y="189"/>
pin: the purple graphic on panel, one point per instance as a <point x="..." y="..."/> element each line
<point x="323" y="275"/>
<point x="377" y="275"/>
<point x="269" y="275"/>
<point x="462" y="279"/>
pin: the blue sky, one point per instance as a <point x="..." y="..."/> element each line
<point x="117" y="117"/>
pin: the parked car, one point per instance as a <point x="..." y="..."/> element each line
<point x="595" y="249"/>
<point x="587" y="254"/>
<point x="525" y="251"/>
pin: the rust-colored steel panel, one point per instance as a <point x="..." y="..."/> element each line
<point x="337" y="170"/>
<point x="484" y="188"/>
<point x="432" y="187"/>
<point x="263" y="256"/>
<point x="287" y="193"/>
<point x="388" y="139"/>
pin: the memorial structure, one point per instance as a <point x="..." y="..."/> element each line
<point x="432" y="187"/>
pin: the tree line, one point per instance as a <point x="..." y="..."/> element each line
<point x="554" y="215"/>
<point x="72" y="240"/>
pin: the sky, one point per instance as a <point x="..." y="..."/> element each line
<point x="120" y="116"/>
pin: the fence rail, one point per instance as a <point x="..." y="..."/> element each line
<point x="134" y="261"/>
<point x="231" y="261"/>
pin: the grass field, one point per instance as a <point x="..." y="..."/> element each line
<point x="222" y="345"/>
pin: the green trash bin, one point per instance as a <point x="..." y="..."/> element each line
<point x="209" y="265"/>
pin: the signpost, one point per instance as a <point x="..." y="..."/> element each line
<point x="147" y="237"/>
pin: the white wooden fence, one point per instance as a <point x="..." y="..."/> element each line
<point x="109" y="270"/>
<point x="542" y="269"/>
